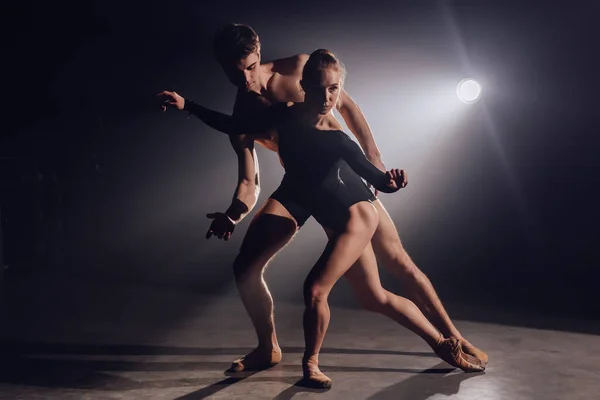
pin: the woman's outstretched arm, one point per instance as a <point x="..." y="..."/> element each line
<point x="254" y="123"/>
<point x="387" y="182"/>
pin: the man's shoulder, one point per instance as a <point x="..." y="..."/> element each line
<point x="249" y="102"/>
<point x="290" y="65"/>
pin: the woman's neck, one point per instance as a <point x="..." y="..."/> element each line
<point x="319" y="121"/>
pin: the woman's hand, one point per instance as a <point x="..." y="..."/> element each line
<point x="171" y="99"/>
<point x="398" y="179"/>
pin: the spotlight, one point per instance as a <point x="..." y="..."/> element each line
<point x="468" y="91"/>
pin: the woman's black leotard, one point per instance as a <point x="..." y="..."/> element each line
<point x="322" y="167"/>
<point x="321" y="170"/>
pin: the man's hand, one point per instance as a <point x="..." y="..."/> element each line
<point x="222" y="226"/>
<point x="398" y="179"/>
<point x="171" y="99"/>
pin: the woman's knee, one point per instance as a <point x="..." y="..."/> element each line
<point x="315" y="292"/>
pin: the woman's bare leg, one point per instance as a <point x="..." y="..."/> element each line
<point x="342" y="250"/>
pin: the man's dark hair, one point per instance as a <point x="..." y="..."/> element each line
<point x="235" y="42"/>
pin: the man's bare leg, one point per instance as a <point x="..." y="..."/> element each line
<point x="270" y="230"/>
<point x="417" y="287"/>
<point x="364" y="279"/>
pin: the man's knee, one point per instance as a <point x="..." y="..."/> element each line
<point x="374" y="301"/>
<point x="405" y="265"/>
<point x="388" y="246"/>
<point x="395" y="257"/>
<point x="245" y="266"/>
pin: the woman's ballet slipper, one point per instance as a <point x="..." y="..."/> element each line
<point x="312" y="376"/>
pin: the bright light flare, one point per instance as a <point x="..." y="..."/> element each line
<point x="468" y="91"/>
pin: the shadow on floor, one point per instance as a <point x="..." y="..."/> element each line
<point x="425" y="385"/>
<point x="22" y="348"/>
<point x="78" y="367"/>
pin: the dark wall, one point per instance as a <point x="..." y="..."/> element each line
<point x="502" y="205"/>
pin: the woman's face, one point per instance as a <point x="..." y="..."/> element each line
<point x="322" y="91"/>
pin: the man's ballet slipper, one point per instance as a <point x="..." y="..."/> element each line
<point x="450" y="351"/>
<point x="256" y="360"/>
<point x="468" y="348"/>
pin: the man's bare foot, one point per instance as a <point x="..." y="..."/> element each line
<point x="451" y="351"/>
<point x="468" y="348"/>
<point x="312" y="376"/>
<point x="257" y="360"/>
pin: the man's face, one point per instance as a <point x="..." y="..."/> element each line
<point x="245" y="73"/>
<point x="321" y="94"/>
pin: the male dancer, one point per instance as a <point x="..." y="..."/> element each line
<point x="237" y="49"/>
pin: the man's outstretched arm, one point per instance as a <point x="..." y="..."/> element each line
<point x="248" y="187"/>
<point x="358" y="125"/>
<point x="246" y="192"/>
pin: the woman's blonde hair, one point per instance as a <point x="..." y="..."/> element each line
<point x="319" y="60"/>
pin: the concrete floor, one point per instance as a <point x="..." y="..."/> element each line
<point x="82" y="341"/>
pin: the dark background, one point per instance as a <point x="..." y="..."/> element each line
<point x="502" y="206"/>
